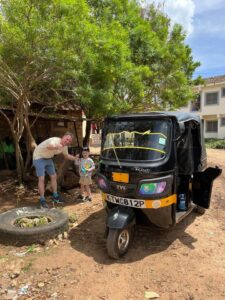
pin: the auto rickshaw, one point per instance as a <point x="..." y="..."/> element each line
<point x="152" y="170"/>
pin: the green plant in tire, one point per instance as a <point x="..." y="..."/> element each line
<point x="40" y="225"/>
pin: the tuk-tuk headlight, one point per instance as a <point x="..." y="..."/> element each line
<point x="152" y="188"/>
<point x="102" y="182"/>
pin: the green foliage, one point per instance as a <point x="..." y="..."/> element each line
<point x="27" y="266"/>
<point x="215" y="143"/>
<point x="102" y="55"/>
<point x="198" y="81"/>
<point x="160" y="65"/>
<point x="45" y="38"/>
<point x="73" y="218"/>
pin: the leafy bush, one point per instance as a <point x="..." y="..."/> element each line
<point x="215" y="143"/>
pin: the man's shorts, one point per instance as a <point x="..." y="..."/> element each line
<point x="85" y="180"/>
<point x="43" y="165"/>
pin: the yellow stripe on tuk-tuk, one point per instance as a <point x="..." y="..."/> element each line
<point x="161" y="202"/>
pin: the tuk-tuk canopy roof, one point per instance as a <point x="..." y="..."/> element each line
<point x="179" y="116"/>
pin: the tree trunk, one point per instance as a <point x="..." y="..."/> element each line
<point x="19" y="161"/>
<point x="30" y="143"/>
<point x="87" y="134"/>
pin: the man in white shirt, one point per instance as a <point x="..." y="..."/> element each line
<point x="42" y="160"/>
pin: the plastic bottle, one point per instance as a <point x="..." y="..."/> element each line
<point x="84" y="171"/>
<point x="182" y="202"/>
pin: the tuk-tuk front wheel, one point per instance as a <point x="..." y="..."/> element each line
<point x="118" y="241"/>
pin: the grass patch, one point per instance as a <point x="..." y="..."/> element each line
<point x="27" y="267"/>
<point x="215" y="143"/>
<point x="3" y="259"/>
<point x="31" y="248"/>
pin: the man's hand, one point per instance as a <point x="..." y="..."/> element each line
<point x="71" y="157"/>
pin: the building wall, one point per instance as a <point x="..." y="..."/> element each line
<point x="50" y="128"/>
<point x="212" y="112"/>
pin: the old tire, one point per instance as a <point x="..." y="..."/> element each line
<point x="12" y="234"/>
<point x="118" y="241"/>
<point x="200" y="210"/>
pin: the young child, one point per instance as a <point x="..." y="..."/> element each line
<point x="86" y="166"/>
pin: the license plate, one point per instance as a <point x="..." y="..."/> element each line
<point x="120" y="177"/>
<point x="125" y="201"/>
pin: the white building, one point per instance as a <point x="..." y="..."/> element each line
<point x="210" y="105"/>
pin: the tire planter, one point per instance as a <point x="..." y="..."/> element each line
<point x="12" y="234"/>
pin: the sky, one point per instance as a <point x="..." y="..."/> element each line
<point x="204" y="23"/>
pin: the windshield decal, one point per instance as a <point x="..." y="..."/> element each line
<point x="134" y="147"/>
<point x="162" y="141"/>
<point x="137" y="132"/>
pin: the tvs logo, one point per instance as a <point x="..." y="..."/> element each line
<point x="121" y="188"/>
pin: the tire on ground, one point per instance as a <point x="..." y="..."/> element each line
<point x="12" y="234"/>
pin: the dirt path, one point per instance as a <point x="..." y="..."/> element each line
<point x="187" y="262"/>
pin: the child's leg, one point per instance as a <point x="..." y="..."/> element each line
<point x="88" y="190"/>
<point x="82" y="189"/>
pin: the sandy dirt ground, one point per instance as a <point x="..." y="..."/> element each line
<point x="187" y="262"/>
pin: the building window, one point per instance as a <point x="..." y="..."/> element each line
<point x="222" y="122"/>
<point x="211" y="98"/>
<point x="223" y="92"/>
<point x="211" y="126"/>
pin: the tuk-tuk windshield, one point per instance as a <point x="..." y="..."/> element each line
<point x="137" y="139"/>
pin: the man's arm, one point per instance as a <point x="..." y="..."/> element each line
<point x="71" y="157"/>
<point x="54" y="147"/>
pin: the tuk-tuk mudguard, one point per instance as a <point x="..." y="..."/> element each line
<point x="161" y="217"/>
<point x="120" y="217"/>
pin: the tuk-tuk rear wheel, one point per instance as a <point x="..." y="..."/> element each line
<point x="118" y="241"/>
<point x="200" y="210"/>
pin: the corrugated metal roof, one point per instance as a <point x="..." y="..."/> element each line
<point x="215" y="79"/>
<point x="55" y="116"/>
<point x="68" y="107"/>
<point x="65" y="107"/>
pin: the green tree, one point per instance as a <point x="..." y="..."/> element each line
<point x="155" y="47"/>
<point x="41" y="49"/>
<point x="108" y="75"/>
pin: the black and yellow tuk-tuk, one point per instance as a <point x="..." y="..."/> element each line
<point x="152" y="170"/>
